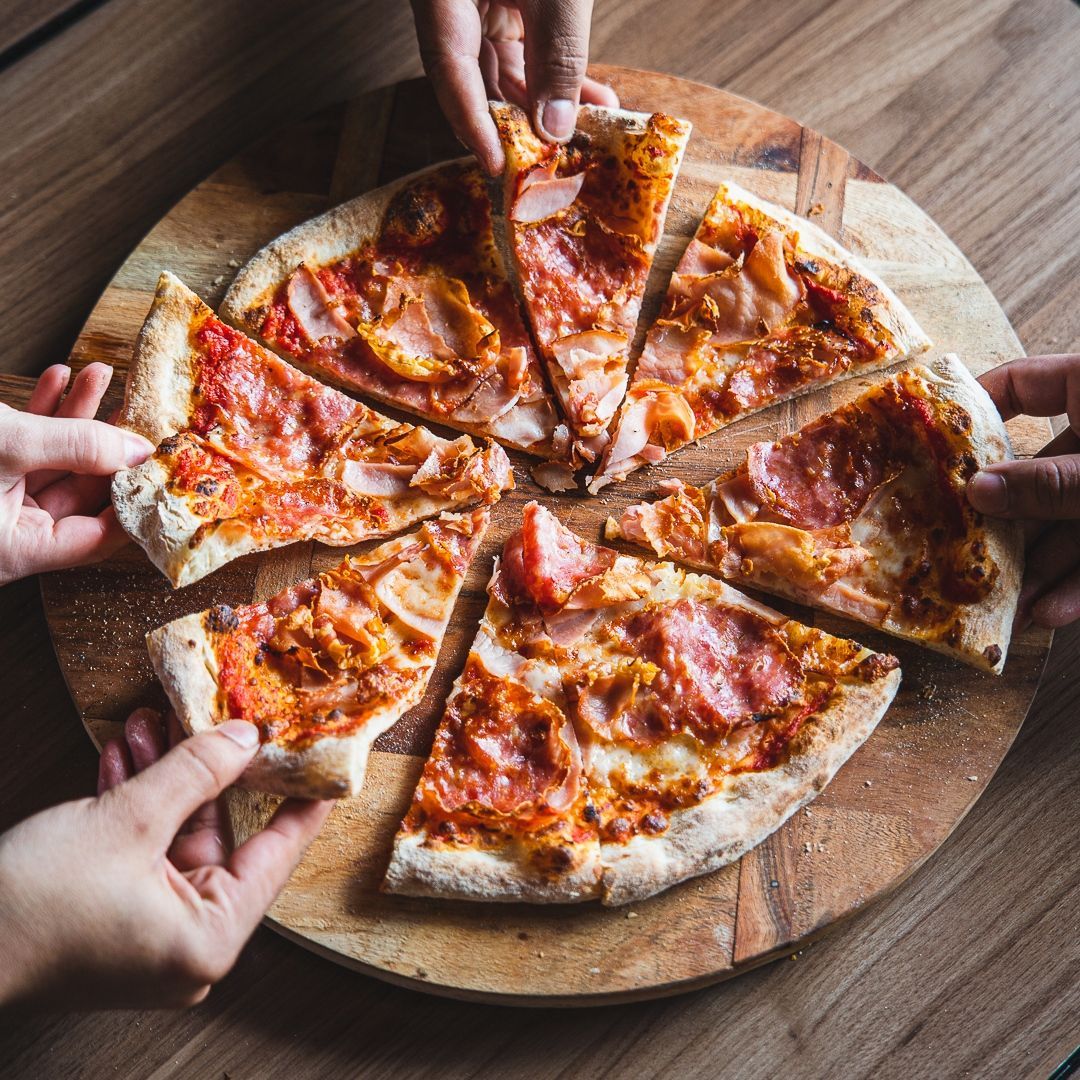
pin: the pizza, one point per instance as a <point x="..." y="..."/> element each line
<point x="582" y="224"/>
<point x="400" y="295"/>
<point x="863" y="512"/>
<point x="622" y="725"/>
<point x="253" y="454"/>
<point x="762" y="306"/>
<point x="327" y="665"/>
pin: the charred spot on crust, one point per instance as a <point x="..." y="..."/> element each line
<point x="993" y="655"/>
<point x="207" y="488"/>
<point x="416" y="217"/>
<point x="876" y="665"/>
<point x="655" y="822"/>
<point x="221" y="619"/>
<point x="807" y="266"/>
<point x="958" y="420"/>
<point x="169" y="445"/>
<point x="561" y="858"/>
<point x="590" y="813"/>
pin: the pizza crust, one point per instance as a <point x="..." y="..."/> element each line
<point x="891" y="312"/>
<point x="990" y="624"/>
<point x="499" y="874"/>
<point x="749" y="806"/>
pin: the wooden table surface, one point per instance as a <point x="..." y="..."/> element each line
<point x="111" y="109"/>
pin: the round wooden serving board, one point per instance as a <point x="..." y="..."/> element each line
<point x="886" y="811"/>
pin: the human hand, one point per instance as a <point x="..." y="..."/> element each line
<point x="1044" y="490"/>
<point x="135" y="898"/>
<point x="55" y="464"/>
<point x="531" y="52"/>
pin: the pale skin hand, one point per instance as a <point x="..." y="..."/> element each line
<point x="136" y="898"/>
<point x="529" y="52"/>
<point x="55" y="464"/>
<point x="1043" y="491"/>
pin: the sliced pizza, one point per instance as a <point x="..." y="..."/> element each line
<point x="582" y="222"/>
<point x="326" y="666"/>
<point x="401" y="295"/>
<point x="253" y="454"/>
<point x="763" y="306"/>
<point x="623" y="725"/>
<point x="863" y="512"/>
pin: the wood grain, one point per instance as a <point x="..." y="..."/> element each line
<point x="892" y="805"/>
<point x="966" y="969"/>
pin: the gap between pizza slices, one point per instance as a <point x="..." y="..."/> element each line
<point x="401" y="294"/>
<point x="581" y="223"/>
<point x="253" y="454"/>
<point x="864" y="512"/>
<point x="327" y="665"/>
<point x="763" y="306"/>
<point x="622" y="725"/>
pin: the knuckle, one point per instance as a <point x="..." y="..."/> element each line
<point x="200" y="763"/>
<point x="566" y="60"/>
<point x="1057" y="485"/>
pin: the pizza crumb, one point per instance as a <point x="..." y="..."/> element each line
<point x="808" y="847"/>
<point x="868" y="783"/>
<point x="631" y="914"/>
<point x="971" y="778"/>
<point x="594" y="971"/>
<point x="807" y="812"/>
<point x="421" y="973"/>
<point x="821" y="846"/>
<point x="540" y="953"/>
<point x="817" y="208"/>
<point x="234" y="263"/>
<point x="774" y="884"/>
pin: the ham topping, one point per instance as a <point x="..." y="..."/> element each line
<point x="717" y="666"/>
<point x="592" y="350"/>
<point x="313" y="307"/>
<point x="431" y="332"/>
<point x="650" y="425"/>
<point x="545" y="195"/>
<point x="377" y="479"/>
<point x="503" y="749"/>
<point x="822" y="476"/>
<point x="554" y="561"/>
<point x="804" y="560"/>
<point x="742" y="303"/>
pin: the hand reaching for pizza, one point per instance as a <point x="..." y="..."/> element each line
<point x="530" y="52"/>
<point x="135" y="898"/>
<point x="55" y="463"/>
<point x="1044" y="491"/>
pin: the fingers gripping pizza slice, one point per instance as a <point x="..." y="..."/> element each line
<point x="327" y="665"/>
<point x="400" y="294"/>
<point x="253" y="454"/>
<point x="623" y="725"/>
<point x="583" y="222"/>
<point x="763" y="306"/>
<point x="863" y="512"/>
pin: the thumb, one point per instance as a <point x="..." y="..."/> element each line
<point x="161" y="798"/>
<point x="1043" y="488"/>
<point x="556" y="56"/>
<point x="89" y="447"/>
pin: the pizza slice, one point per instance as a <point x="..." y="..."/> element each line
<point x="863" y="512"/>
<point x="763" y="306"/>
<point x="583" y="222"/>
<point x="401" y="295"/>
<point x="253" y="454"/>
<point x="327" y="665"/>
<point x="623" y="725"/>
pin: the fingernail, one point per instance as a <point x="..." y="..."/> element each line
<point x="241" y="732"/>
<point x="558" y="119"/>
<point x="988" y="493"/>
<point x="136" y="449"/>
